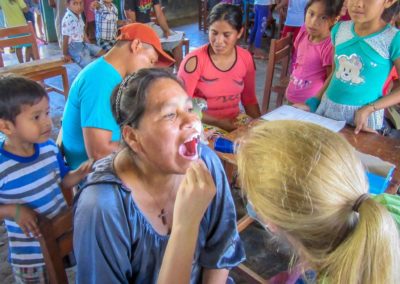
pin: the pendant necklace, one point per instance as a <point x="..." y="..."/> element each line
<point x="163" y="214"/>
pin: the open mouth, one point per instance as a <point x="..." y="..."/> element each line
<point x="188" y="149"/>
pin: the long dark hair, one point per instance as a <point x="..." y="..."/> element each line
<point x="226" y="12"/>
<point x="391" y="12"/>
<point x="332" y="7"/>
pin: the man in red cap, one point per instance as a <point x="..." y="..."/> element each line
<point x="89" y="128"/>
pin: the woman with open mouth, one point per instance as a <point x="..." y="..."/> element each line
<point x="156" y="198"/>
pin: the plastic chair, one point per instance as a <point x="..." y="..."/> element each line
<point x="280" y="51"/>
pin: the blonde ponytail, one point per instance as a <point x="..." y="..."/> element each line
<point x="305" y="180"/>
<point x="370" y="254"/>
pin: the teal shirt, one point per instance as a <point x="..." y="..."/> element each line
<point x="362" y="64"/>
<point x="89" y="105"/>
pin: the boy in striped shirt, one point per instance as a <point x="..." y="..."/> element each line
<point x="32" y="172"/>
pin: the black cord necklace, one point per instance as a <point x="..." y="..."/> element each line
<point x="163" y="213"/>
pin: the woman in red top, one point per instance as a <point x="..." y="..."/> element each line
<point x="222" y="73"/>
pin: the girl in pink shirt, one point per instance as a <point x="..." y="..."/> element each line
<point x="314" y="51"/>
<point x="220" y="72"/>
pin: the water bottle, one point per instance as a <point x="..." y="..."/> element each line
<point x="224" y="145"/>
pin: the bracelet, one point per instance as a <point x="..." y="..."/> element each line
<point x="373" y="106"/>
<point x="17" y="207"/>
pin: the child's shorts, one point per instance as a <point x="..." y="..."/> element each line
<point x="29" y="16"/>
<point x="336" y="111"/>
<point x="34" y="275"/>
<point x="83" y="53"/>
<point x="166" y="45"/>
<point x="105" y="44"/>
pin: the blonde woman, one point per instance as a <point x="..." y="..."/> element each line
<point x="307" y="185"/>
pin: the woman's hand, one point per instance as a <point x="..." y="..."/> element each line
<point x="361" y="119"/>
<point x="194" y="196"/>
<point x="26" y="218"/>
<point x="228" y="124"/>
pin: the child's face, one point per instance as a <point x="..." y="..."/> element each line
<point x="33" y="123"/>
<point x="317" y="23"/>
<point x="367" y="11"/>
<point x="76" y="6"/>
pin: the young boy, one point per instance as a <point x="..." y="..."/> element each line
<point x="75" y="42"/>
<point x="31" y="173"/>
<point x="106" y="18"/>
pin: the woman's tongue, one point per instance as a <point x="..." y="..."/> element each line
<point x="188" y="148"/>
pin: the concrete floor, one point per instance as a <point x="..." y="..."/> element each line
<point x="263" y="254"/>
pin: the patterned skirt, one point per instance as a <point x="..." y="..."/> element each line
<point x="336" y="111"/>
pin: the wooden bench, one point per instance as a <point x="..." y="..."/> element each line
<point x="39" y="69"/>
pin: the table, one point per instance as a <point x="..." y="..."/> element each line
<point x="386" y="148"/>
<point x="41" y="69"/>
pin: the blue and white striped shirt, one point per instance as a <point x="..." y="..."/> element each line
<point x="33" y="182"/>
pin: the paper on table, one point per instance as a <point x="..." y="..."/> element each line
<point x="174" y="36"/>
<point x="291" y="113"/>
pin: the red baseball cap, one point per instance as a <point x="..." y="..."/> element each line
<point x="145" y="34"/>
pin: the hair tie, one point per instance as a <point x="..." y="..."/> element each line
<point x="122" y="87"/>
<point x="360" y="200"/>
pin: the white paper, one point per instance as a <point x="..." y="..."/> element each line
<point x="286" y="112"/>
<point x="174" y="36"/>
